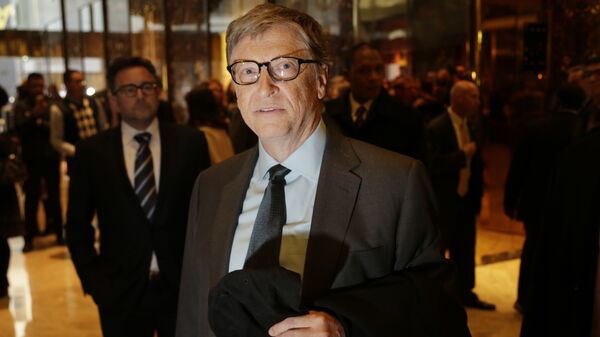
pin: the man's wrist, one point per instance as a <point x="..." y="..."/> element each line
<point x="344" y="322"/>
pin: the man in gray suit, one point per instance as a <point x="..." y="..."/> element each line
<point x="358" y="224"/>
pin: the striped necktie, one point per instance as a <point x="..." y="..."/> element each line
<point x="265" y="242"/>
<point x="144" y="184"/>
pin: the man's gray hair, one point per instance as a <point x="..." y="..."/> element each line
<point x="266" y="16"/>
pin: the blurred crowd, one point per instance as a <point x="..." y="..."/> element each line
<point x="436" y="118"/>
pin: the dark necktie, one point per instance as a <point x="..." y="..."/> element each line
<point x="265" y="241"/>
<point x="144" y="184"/>
<point x="361" y="115"/>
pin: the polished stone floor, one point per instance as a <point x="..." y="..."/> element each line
<point x="46" y="298"/>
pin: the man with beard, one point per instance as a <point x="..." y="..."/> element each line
<point x="138" y="178"/>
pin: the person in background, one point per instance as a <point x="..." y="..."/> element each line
<point x="10" y="217"/>
<point x="406" y="90"/>
<point x="43" y="162"/>
<point x="337" y="86"/>
<point x="242" y="137"/>
<point x="74" y="118"/>
<point x="53" y="94"/>
<point x="523" y="108"/>
<point x="427" y="105"/>
<point x="589" y="114"/>
<point x="529" y="174"/>
<point x="367" y="113"/>
<point x="137" y="178"/>
<point x="456" y="171"/>
<point x="216" y="88"/>
<point x="205" y="115"/>
<point x="310" y="233"/>
<point x="565" y="300"/>
<point x="443" y="83"/>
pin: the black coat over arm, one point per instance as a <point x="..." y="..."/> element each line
<point x="372" y="255"/>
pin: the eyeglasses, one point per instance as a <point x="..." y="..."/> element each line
<point x="282" y="68"/>
<point x="130" y="90"/>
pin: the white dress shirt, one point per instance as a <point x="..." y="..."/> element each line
<point x="463" y="138"/>
<point x="300" y="191"/>
<point x="130" y="147"/>
<point x="457" y="123"/>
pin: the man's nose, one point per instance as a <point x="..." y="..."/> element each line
<point x="265" y="83"/>
<point x="139" y="92"/>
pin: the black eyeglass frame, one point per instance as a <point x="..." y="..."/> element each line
<point x="154" y="86"/>
<point x="266" y="64"/>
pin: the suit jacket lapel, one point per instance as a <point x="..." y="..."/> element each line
<point x="119" y="162"/>
<point x="376" y="106"/>
<point x="334" y="204"/>
<point x="452" y="141"/>
<point x="342" y="112"/>
<point x="229" y="208"/>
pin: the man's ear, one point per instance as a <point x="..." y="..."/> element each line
<point x="322" y="77"/>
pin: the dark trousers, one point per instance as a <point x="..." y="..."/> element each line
<point x="155" y="312"/>
<point x="4" y="258"/>
<point x="527" y="263"/>
<point x="460" y="242"/>
<point x="48" y="172"/>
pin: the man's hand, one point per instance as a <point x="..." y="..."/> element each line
<point x="470" y="149"/>
<point x="315" y="324"/>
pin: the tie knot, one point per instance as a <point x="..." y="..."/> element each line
<point x="277" y="174"/>
<point x="361" y="115"/>
<point x="143" y="138"/>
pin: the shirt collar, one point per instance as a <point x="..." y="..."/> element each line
<point x="305" y="161"/>
<point x="354" y="104"/>
<point x="129" y="132"/>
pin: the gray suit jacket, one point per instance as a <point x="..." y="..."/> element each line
<point x="374" y="214"/>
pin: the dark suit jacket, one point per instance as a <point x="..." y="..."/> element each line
<point x="117" y="274"/>
<point x="445" y="162"/>
<point x="374" y="214"/>
<point x="11" y="223"/>
<point x="34" y="133"/>
<point x="531" y="165"/>
<point x="389" y="125"/>
<point x="566" y="257"/>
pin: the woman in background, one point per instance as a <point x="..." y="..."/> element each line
<point x="205" y="115"/>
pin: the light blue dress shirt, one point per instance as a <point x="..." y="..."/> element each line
<point x="300" y="191"/>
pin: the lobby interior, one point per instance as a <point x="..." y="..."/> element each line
<point x="497" y="43"/>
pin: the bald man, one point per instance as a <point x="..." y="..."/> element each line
<point x="456" y="172"/>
